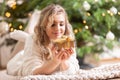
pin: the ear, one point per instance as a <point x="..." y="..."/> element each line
<point x="19" y="35"/>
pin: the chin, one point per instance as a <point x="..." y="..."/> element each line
<point x="56" y="37"/>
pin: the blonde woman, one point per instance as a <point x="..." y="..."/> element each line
<point x="40" y="55"/>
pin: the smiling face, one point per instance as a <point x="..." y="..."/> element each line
<point x="57" y="29"/>
<point x="53" y="24"/>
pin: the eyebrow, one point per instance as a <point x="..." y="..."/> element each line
<point x="60" y="21"/>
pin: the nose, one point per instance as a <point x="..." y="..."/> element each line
<point x="57" y="27"/>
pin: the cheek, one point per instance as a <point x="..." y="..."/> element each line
<point x="63" y="30"/>
<point x="47" y="31"/>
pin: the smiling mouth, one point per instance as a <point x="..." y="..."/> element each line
<point x="57" y="34"/>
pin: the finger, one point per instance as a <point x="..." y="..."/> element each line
<point x="63" y="57"/>
<point x="60" y="54"/>
<point x="71" y="51"/>
<point x="68" y="51"/>
<point x="66" y="54"/>
<point x="54" y="51"/>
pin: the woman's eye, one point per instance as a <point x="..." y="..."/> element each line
<point x="61" y="24"/>
<point x="53" y="25"/>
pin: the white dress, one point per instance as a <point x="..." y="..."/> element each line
<point x="31" y="57"/>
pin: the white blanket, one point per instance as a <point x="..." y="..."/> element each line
<point x="99" y="73"/>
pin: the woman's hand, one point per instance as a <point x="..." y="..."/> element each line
<point x="66" y="53"/>
<point x="57" y="56"/>
<point x="61" y="55"/>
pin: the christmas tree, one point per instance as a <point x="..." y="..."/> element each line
<point x="96" y="23"/>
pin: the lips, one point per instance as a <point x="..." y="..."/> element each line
<point x="57" y="33"/>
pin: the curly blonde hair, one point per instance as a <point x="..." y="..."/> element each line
<point x="46" y="19"/>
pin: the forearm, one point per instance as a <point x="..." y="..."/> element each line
<point x="47" y="68"/>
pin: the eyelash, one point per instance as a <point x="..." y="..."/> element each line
<point x="61" y="24"/>
<point x="55" y="24"/>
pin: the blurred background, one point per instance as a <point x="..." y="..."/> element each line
<point x="96" y="25"/>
